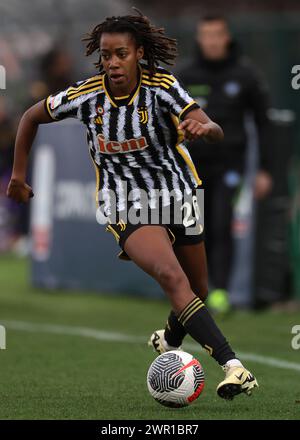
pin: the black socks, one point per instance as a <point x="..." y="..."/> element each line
<point x="196" y="320"/>
<point x="174" y="331"/>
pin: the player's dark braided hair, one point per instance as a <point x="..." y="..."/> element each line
<point x="157" y="46"/>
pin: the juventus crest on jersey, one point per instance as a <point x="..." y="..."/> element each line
<point x="133" y="139"/>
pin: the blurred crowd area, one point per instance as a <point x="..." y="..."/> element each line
<point x="42" y="52"/>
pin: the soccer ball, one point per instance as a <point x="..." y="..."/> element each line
<point x="175" y="379"/>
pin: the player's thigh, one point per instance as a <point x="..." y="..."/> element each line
<point x="151" y="249"/>
<point x="192" y="259"/>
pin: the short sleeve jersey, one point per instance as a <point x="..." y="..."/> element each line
<point x="134" y="138"/>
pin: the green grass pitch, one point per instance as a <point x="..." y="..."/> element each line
<point x="65" y="358"/>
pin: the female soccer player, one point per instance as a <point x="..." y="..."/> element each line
<point x="136" y="115"/>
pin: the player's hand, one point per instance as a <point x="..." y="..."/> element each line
<point x="19" y="191"/>
<point x="194" y="129"/>
<point x="262" y="185"/>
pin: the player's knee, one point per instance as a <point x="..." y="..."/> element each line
<point x="170" y="277"/>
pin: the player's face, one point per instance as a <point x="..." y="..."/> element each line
<point x="120" y="56"/>
<point x="213" y="38"/>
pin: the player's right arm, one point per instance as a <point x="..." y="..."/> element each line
<point x="18" y="189"/>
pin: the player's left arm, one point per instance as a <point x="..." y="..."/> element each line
<point x="197" y="124"/>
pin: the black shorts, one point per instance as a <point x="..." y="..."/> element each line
<point x="179" y="234"/>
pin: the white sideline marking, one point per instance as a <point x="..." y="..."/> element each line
<point x="102" y="335"/>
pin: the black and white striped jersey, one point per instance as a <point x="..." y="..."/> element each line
<point x="133" y="139"/>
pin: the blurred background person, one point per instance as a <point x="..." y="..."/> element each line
<point x="57" y="69"/>
<point x="228" y="86"/>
